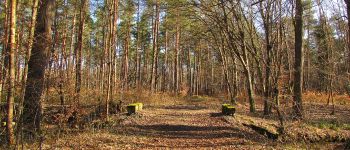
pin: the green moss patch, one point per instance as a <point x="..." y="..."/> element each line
<point x="139" y="106"/>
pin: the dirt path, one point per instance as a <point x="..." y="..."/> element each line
<point x="175" y="127"/>
<point x="187" y="127"/>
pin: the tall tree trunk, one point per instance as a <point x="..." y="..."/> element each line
<point x="111" y="52"/>
<point x="166" y="66"/>
<point x="126" y="58"/>
<point x="78" y="53"/>
<point x="247" y="71"/>
<point x="226" y="75"/>
<point x="11" y="68"/>
<point x="347" y="2"/>
<point x="29" y="46"/>
<point x="155" y="50"/>
<point x="176" y="56"/>
<point x="189" y="72"/>
<point x="4" y="55"/>
<point x="31" y="116"/>
<point x="298" y="68"/>
<point x="138" y="47"/>
<point x="72" y="43"/>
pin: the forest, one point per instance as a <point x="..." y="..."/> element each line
<point x="174" y="74"/>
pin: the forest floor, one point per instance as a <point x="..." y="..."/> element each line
<point x="198" y="124"/>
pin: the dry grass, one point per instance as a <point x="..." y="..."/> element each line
<point x="317" y="97"/>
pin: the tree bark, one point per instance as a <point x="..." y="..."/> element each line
<point x="32" y="111"/>
<point x="298" y="68"/>
<point x="4" y="60"/>
<point x="71" y="50"/>
<point x="176" y="56"/>
<point x="29" y="46"/>
<point x="11" y="68"/>
<point x="78" y="53"/>
<point x="347" y="2"/>
<point x="155" y="50"/>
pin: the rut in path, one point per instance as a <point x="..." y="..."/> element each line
<point x="187" y="126"/>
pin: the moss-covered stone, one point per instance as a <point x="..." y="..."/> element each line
<point x="139" y="105"/>
<point x="224" y="107"/>
<point x="230" y="110"/>
<point x="227" y="109"/>
<point x="132" y="109"/>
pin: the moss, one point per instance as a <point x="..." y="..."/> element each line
<point x="224" y="107"/>
<point x="139" y="105"/>
<point x="230" y="110"/>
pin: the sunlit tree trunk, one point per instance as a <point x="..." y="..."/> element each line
<point x="72" y="46"/>
<point x="176" y="56"/>
<point x="155" y="50"/>
<point x="11" y="68"/>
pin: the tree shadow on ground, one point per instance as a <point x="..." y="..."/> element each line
<point x="223" y="135"/>
<point x="219" y="114"/>
<point x="186" y="107"/>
